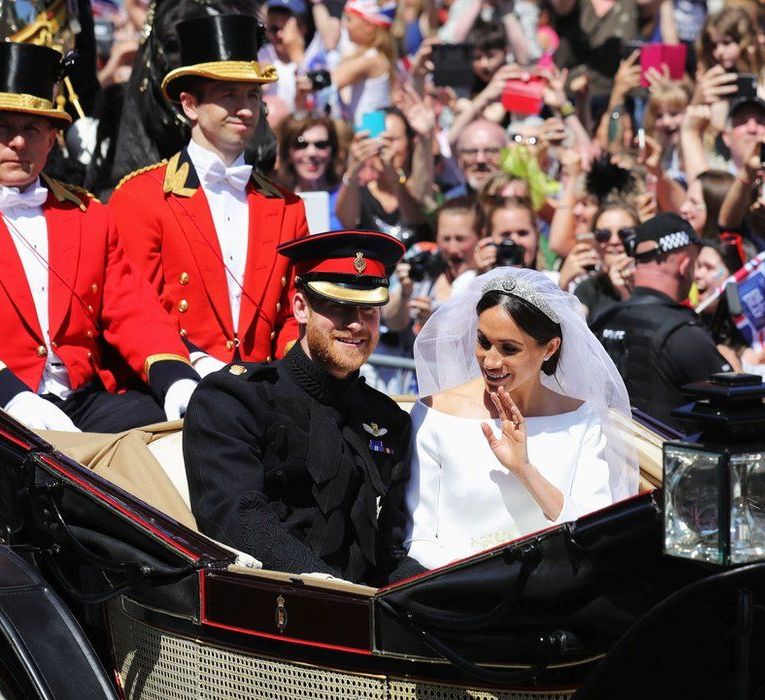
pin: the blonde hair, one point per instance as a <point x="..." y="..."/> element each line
<point x="674" y="96"/>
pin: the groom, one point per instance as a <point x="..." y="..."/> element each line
<point x="299" y="463"/>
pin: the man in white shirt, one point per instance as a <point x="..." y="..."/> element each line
<point x="203" y="227"/>
<point x="67" y="291"/>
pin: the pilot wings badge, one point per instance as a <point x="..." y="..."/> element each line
<point x="374" y="429"/>
<point x="377" y="432"/>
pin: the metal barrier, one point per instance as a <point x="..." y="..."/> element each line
<point x="390" y="374"/>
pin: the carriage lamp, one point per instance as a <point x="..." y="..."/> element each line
<point x="714" y="489"/>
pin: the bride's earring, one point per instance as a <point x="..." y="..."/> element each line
<point x="547" y="357"/>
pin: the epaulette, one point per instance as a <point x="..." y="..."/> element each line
<point x="253" y="370"/>
<point x="64" y="192"/>
<point x="140" y="171"/>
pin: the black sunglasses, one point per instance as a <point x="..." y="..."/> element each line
<point x="301" y="143"/>
<point x="603" y="235"/>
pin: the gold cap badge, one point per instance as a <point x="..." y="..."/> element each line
<point x="359" y="263"/>
<point x="237" y="369"/>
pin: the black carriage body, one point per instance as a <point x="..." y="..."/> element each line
<point x="532" y="618"/>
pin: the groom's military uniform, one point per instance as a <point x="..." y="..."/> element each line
<point x="302" y="470"/>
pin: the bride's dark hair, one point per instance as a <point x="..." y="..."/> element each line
<point x="529" y="319"/>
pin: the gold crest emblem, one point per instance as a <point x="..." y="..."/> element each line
<point x="237" y="369"/>
<point x="359" y="263"/>
<point x="375" y="430"/>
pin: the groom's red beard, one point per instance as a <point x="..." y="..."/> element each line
<point x="327" y="349"/>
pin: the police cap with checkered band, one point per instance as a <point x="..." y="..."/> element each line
<point x="662" y="234"/>
<point x="347" y="267"/>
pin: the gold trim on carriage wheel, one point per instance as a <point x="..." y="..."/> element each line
<point x="221" y="47"/>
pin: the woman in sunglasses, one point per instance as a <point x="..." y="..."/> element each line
<point x="613" y="224"/>
<point x="307" y="159"/>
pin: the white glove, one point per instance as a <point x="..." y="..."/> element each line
<point x="177" y="398"/>
<point x="204" y="364"/>
<point x="39" y="414"/>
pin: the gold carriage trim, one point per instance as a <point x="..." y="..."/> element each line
<point x="159" y="357"/>
<point x="234" y="71"/>
<point x="30" y="104"/>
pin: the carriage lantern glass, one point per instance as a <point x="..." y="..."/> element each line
<point x="714" y="489"/>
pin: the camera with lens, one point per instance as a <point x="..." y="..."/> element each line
<point x="426" y="264"/>
<point x="320" y="79"/>
<point x="509" y="254"/>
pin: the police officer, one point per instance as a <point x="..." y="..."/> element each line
<point x="299" y="463"/>
<point x="658" y="344"/>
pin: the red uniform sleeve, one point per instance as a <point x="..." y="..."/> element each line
<point x="132" y="317"/>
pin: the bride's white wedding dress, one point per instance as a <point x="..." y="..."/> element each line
<point x="462" y="500"/>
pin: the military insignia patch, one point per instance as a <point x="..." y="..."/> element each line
<point x="374" y="429"/>
<point x="237" y="369"/>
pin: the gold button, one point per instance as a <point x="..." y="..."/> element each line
<point x="284" y="281"/>
<point x="183" y="332"/>
<point x="273" y="335"/>
<point x="278" y="306"/>
<point x="94" y="287"/>
<point x="53" y="344"/>
<point x="90" y="354"/>
<point x="89" y="333"/>
<point x="183" y="305"/>
<point x="42" y="351"/>
<point x="229" y="345"/>
<point x="184" y="278"/>
<point x="90" y="308"/>
<point x="268" y="359"/>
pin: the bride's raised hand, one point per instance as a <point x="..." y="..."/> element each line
<point x="510" y="448"/>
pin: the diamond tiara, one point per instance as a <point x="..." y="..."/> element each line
<point x="521" y="289"/>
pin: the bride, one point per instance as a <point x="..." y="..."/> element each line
<point x="517" y="430"/>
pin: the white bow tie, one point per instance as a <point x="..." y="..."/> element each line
<point x="237" y="176"/>
<point x="31" y="197"/>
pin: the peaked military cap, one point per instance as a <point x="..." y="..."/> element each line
<point x="219" y="47"/>
<point x="348" y="267"/>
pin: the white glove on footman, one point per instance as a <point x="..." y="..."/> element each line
<point x="177" y="398"/>
<point x="38" y="413"/>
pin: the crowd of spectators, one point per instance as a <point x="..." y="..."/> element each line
<point x="544" y="148"/>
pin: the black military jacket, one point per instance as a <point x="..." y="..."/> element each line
<point x="303" y="471"/>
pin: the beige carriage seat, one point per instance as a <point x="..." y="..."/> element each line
<point x="146" y="462"/>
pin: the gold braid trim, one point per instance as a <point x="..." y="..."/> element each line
<point x="175" y="178"/>
<point x="67" y="193"/>
<point x="140" y="171"/>
<point x="159" y="357"/>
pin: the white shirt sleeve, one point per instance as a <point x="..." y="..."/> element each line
<point x="422" y="493"/>
<point x="589" y="489"/>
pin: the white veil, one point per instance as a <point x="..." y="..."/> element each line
<point x="444" y="354"/>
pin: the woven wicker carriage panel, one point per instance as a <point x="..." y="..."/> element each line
<point x="156" y="665"/>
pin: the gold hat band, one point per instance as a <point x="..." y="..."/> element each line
<point x="233" y="71"/>
<point x="30" y="104"/>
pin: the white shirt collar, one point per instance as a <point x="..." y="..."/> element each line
<point x="203" y="159"/>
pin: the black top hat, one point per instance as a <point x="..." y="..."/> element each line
<point x="28" y="77"/>
<point x="220" y="47"/>
<point x="349" y="267"/>
<point x="664" y="233"/>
